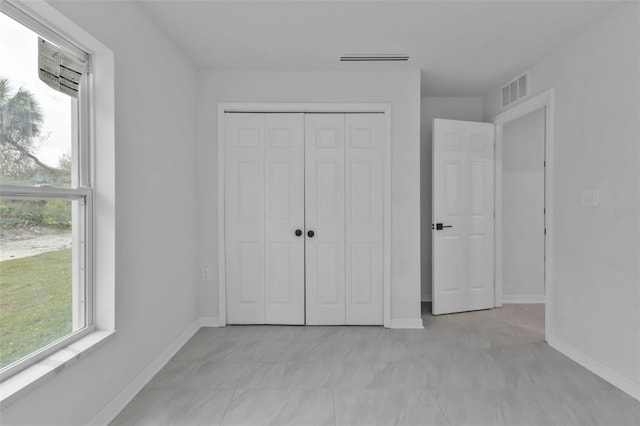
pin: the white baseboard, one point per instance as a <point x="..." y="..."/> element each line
<point x="109" y="413"/>
<point x="407" y="323"/>
<point x="209" y="322"/>
<point x="523" y="298"/>
<point x="506" y="298"/>
<point x="596" y="367"/>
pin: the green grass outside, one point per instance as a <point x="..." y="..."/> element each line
<point x="35" y="303"/>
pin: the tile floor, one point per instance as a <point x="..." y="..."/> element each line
<point x="478" y="368"/>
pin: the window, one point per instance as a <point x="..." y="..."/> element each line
<point x="46" y="194"/>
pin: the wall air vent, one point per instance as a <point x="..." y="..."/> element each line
<point x="374" y="58"/>
<point x="515" y="90"/>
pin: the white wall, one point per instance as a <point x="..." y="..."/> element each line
<point x="457" y="108"/>
<point x="399" y="88"/>
<point x="522" y="208"/>
<point x="595" y="290"/>
<point x="156" y="256"/>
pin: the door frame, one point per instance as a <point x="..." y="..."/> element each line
<point x="542" y="100"/>
<point x="285" y="107"/>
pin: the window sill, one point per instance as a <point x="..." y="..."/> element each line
<point x="16" y="386"/>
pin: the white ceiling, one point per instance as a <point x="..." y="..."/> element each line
<point x="463" y="48"/>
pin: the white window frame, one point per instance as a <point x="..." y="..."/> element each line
<point x="101" y="112"/>
<point x="80" y="191"/>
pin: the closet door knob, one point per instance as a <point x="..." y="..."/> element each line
<point x="298" y="232"/>
<point x="310" y="234"/>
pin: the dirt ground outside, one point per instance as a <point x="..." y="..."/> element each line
<point x="16" y="243"/>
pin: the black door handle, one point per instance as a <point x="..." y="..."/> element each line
<point x="298" y="232"/>
<point x="310" y="234"/>
<point x="440" y="227"/>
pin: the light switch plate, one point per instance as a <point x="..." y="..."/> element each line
<point x="590" y="198"/>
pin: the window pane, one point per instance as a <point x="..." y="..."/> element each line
<point x="36" y="138"/>
<point x="40" y="294"/>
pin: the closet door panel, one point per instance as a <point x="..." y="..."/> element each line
<point x="244" y="220"/>
<point x="324" y="214"/>
<point x="364" y="174"/>
<point x="284" y="214"/>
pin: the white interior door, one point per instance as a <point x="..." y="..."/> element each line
<point x="284" y="219"/>
<point x="364" y="195"/>
<point x="244" y="217"/>
<point x="463" y="206"/>
<point x="325" y="219"/>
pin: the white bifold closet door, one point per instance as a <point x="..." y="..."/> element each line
<point x="264" y="206"/>
<point x="321" y="174"/>
<point x="325" y="217"/>
<point x="344" y="207"/>
<point x="364" y="195"/>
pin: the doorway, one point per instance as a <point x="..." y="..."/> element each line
<point x="524" y="204"/>
<point x="523" y="208"/>
<point x="459" y="286"/>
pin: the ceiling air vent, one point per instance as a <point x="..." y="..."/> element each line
<point x="374" y="58"/>
<point x="515" y="90"/>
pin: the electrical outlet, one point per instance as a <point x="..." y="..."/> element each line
<point x="205" y="274"/>
<point x="590" y="198"/>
